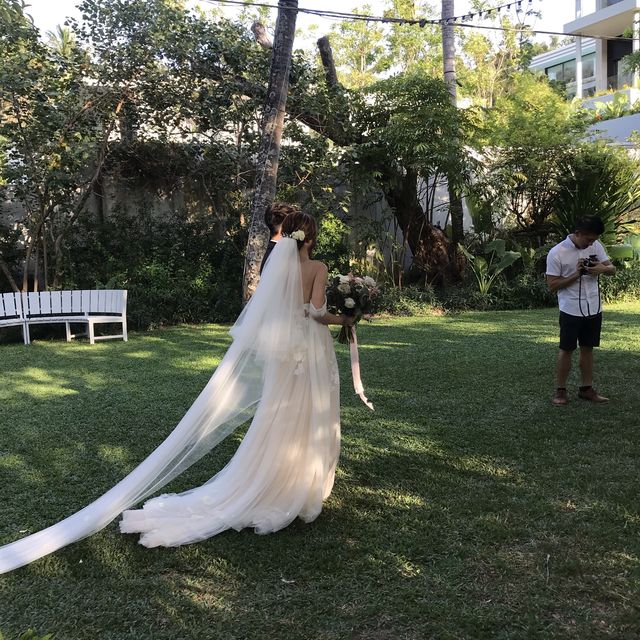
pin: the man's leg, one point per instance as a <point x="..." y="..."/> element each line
<point x="568" y="343"/>
<point x="586" y="366"/>
<point x="589" y="338"/>
<point x="563" y="368"/>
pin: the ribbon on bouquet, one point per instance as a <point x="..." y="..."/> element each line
<point x="355" y="368"/>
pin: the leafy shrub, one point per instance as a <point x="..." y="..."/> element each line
<point x="466" y="297"/>
<point x="527" y="290"/>
<point x="597" y="180"/>
<point x="625" y="285"/>
<point x="333" y="246"/>
<point x="410" y="301"/>
<point x="177" y="268"/>
<point x="160" y="294"/>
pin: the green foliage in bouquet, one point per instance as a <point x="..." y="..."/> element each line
<point x="353" y="296"/>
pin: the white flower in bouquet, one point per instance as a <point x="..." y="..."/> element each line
<point x="358" y="280"/>
<point x="369" y="281"/>
<point x="298" y="235"/>
<point x="344" y="288"/>
<point x="344" y="279"/>
<point x="349" y="303"/>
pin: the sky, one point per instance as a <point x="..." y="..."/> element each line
<point x="555" y="13"/>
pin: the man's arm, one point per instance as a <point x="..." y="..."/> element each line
<point x="558" y="282"/>
<point x="605" y="268"/>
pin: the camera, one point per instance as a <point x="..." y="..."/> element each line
<point x="591" y="261"/>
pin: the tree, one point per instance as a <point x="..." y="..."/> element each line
<point x="166" y="99"/>
<point x="411" y="134"/>
<point x="490" y="60"/>
<point x="359" y="50"/>
<point x="62" y="41"/>
<point x="155" y="73"/>
<point x="409" y="47"/>
<point x="449" y="65"/>
<point x="269" y="154"/>
<point x="50" y="130"/>
<point x="524" y="141"/>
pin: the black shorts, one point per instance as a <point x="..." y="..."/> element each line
<point x="583" y="330"/>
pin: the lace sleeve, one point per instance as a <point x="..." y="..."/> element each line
<point x="317" y="313"/>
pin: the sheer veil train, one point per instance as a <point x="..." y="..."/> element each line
<point x="269" y="356"/>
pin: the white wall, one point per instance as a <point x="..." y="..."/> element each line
<point x="617" y="130"/>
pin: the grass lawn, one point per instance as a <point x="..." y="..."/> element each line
<point x="466" y="506"/>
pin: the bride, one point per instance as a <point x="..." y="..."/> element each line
<point x="281" y="369"/>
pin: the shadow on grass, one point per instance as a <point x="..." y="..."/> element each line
<point x="465" y="506"/>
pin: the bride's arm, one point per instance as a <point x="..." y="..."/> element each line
<point x="318" y="298"/>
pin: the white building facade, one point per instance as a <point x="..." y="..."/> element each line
<point x="605" y="32"/>
<point x="594" y="63"/>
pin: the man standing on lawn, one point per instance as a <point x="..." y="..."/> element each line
<point x="574" y="277"/>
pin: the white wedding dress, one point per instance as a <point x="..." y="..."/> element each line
<point x="281" y="368"/>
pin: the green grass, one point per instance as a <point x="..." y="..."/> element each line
<point x="466" y="506"/>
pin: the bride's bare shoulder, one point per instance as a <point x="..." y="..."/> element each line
<point x="319" y="267"/>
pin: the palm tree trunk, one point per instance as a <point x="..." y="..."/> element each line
<point x="449" y="61"/>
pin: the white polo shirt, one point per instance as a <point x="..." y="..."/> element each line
<point x="578" y="298"/>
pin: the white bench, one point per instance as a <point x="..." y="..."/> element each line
<point x="88" y="307"/>
<point x="11" y="313"/>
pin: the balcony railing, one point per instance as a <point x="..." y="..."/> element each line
<point x="621" y="80"/>
<point x="630" y="97"/>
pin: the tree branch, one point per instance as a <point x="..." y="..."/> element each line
<point x="262" y="37"/>
<point x="326" y="55"/>
<point x="4" y="267"/>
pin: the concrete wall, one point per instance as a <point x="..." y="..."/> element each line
<point x="617" y="130"/>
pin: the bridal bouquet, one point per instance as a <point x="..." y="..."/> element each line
<point x="351" y="296"/>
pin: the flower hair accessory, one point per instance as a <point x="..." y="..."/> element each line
<point x="298" y="235"/>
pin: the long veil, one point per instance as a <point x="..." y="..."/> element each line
<point x="269" y="329"/>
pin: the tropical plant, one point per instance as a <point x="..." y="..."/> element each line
<point x="611" y="109"/>
<point x="597" y="180"/>
<point x="620" y="252"/>
<point x="488" y="267"/>
<point x="481" y="210"/>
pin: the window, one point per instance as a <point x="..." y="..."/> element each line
<point x="589" y="66"/>
<point x="555" y="72"/>
<point x="566" y="71"/>
<point x="569" y="71"/>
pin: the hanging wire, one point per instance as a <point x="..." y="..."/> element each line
<point x="458" y="21"/>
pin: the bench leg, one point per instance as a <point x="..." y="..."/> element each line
<point x="68" y="328"/>
<point x="125" y="337"/>
<point x="25" y="333"/>
<point x="92" y="338"/>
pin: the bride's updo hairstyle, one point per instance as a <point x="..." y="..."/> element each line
<point x="299" y="221"/>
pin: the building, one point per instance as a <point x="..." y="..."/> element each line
<point x="611" y="19"/>
<point x="593" y="64"/>
<point x="560" y="65"/>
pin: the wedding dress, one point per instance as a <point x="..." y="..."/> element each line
<point x="281" y="369"/>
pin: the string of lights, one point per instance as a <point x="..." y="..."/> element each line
<point x="520" y="6"/>
<point x="515" y="4"/>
